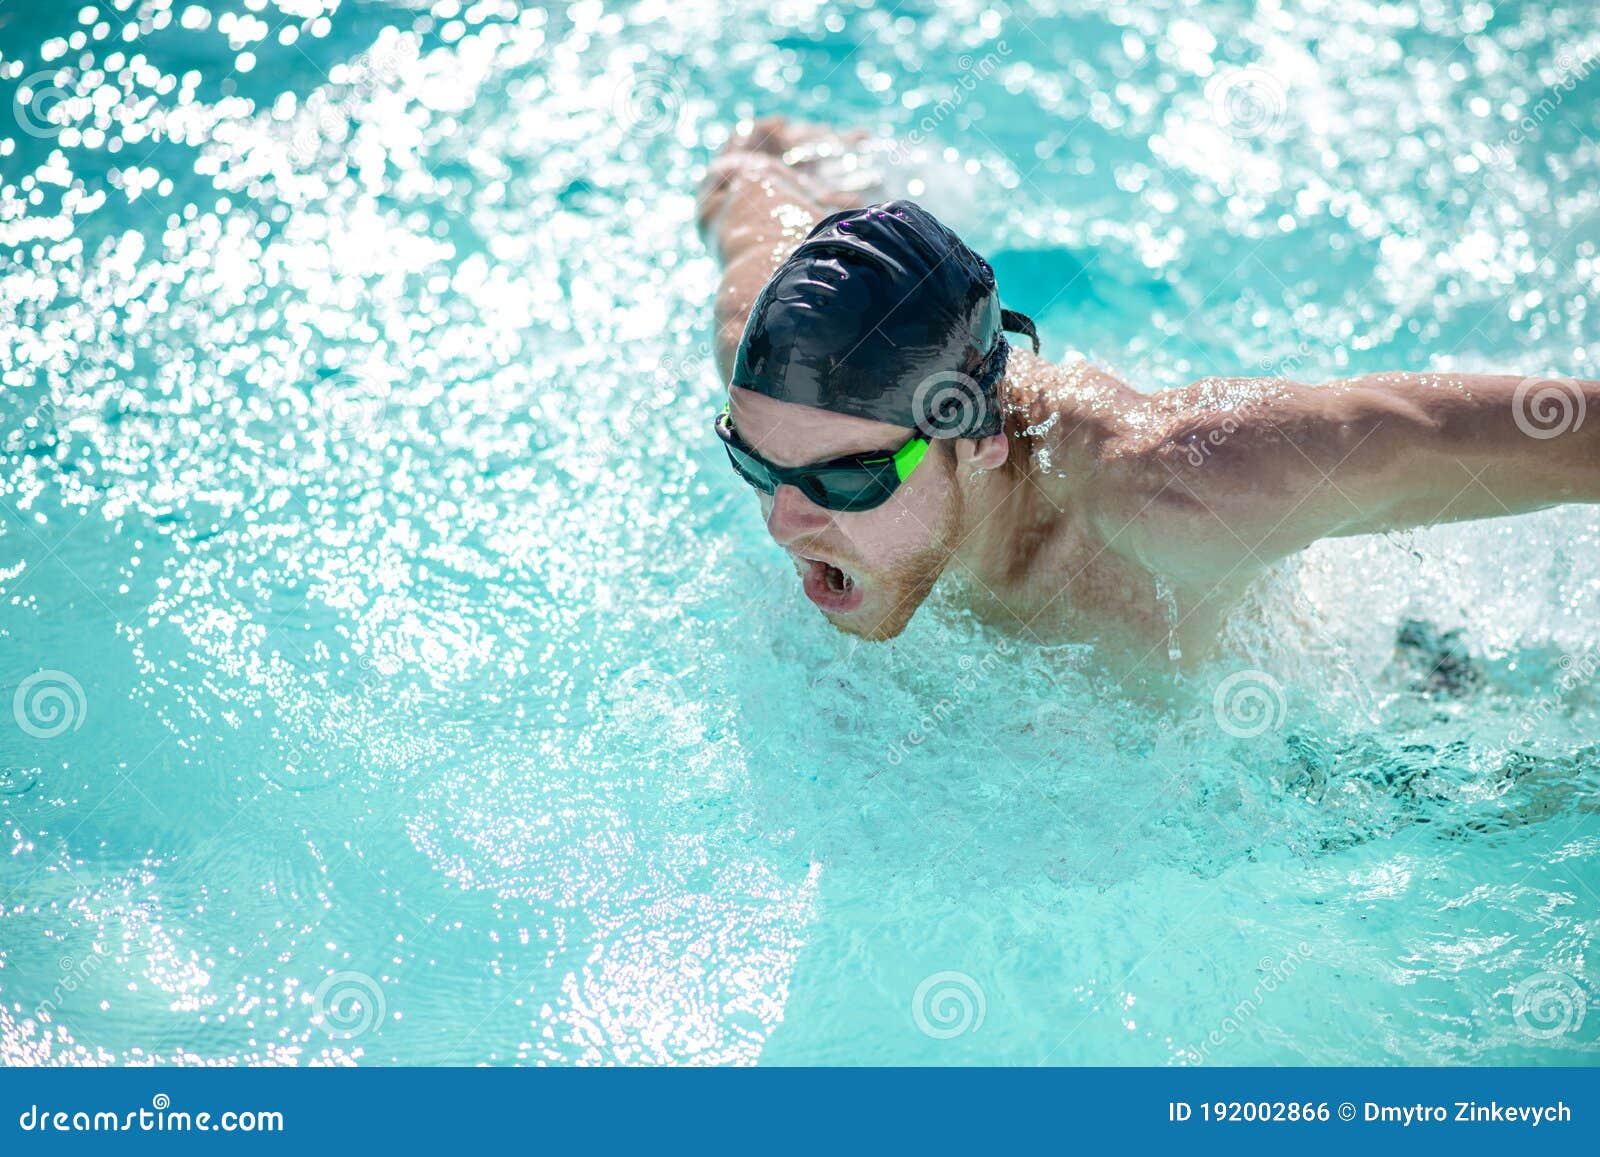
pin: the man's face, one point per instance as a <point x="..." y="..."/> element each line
<point x="867" y="571"/>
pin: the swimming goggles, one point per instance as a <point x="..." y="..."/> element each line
<point x="854" y="483"/>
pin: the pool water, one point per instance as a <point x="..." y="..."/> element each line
<point x="392" y="672"/>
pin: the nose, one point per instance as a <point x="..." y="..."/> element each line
<point x="792" y="516"/>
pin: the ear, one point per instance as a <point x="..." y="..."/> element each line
<point x="982" y="453"/>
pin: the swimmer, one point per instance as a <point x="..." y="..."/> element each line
<point x="895" y="421"/>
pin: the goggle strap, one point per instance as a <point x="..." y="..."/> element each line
<point x="1021" y="323"/>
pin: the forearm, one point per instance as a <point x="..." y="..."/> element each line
<point x="751" y="215"/>
<point x="1525" y="442"/>
<point x="762" y="194"/>
<point x="745" y="201"/>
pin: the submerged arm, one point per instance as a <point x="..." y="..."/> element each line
<point x="1232" y="474"/>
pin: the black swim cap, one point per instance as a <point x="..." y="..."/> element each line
<point x="883" y="313"/>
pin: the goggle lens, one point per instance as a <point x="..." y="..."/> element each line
<point x="847" y="487"/>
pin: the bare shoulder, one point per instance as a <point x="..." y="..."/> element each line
<point x="1066" y="408"/>
<point x="1104" y="445"/>
<point x="1222" y="425"/>
<point x="1122" y="459"/>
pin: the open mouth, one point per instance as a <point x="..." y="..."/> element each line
<point x="831" y="587"/>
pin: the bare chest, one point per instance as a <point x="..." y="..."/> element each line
<point x="1068" y="590"/>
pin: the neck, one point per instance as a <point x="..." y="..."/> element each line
<point x="1030" y="509"/>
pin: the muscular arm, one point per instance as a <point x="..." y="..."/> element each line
<point x="753" y="209"/>
<point x="1223" y="477"/>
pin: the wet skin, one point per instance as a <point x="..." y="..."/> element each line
<point x="1123" y="512"/>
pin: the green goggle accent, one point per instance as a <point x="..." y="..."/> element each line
<point x="851" y="484"/>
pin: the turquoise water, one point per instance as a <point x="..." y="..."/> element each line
<point x="391" y="671"/>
